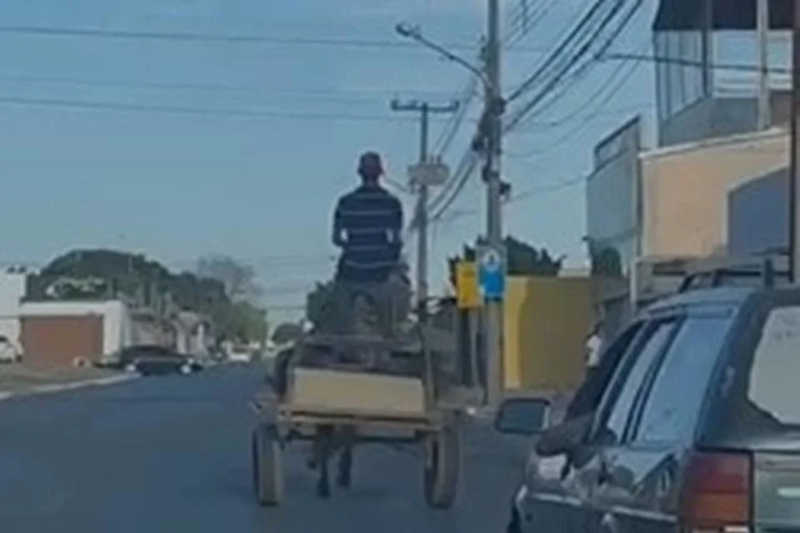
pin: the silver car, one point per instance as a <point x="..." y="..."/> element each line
<point x="698" y="429"/>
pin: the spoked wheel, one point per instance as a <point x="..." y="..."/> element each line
<point x="267" y="467"/>
<point x="442" y="468"/>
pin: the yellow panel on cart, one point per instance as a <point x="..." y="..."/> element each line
<point x="333" y="391"/>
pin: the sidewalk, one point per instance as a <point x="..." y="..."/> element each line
<point x="17" y="380"/>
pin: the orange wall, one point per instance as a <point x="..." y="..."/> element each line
<point x="685" y="190"/>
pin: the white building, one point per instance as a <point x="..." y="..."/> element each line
<point x="12" y="290"/>
<point x="56" y="333"/>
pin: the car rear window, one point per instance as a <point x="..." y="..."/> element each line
<point x="776" y="366"/>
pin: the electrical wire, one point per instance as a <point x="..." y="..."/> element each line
<point x="555" y="54"/>
<point x="520" y="115"/>
<point x="548" y="189"/>
<point x="53" y="31"/>
<point x="182" y="110"/>
<point x="610" y="81"/>
<point x="587" y="120"/>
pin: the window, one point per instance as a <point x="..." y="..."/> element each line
<point x="776" y="366"/>
<point x="630" y="379"/>
<point x="670" y="412"/>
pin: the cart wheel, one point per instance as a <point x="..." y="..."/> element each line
<point x="442" y="468"/>
<point x="267" y="471"/>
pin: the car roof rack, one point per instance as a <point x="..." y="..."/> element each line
<point x="726" y="272"/>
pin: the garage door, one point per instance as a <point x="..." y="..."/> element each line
<point x="57" y="340"/>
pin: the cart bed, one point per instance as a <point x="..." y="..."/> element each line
<point x="336" y="392"/>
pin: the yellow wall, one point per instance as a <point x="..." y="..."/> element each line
<point x="685" y="190"/>
<point x="546" y="322"/>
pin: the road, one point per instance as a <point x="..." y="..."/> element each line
<point x="172" y="454"/>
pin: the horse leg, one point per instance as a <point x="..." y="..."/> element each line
<point x="346" y="457"/>
<point x="324" y="438"/>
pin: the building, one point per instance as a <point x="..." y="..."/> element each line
<point x="685" y="190"/>
<point x="693" y="41"/>
<point x="613" y="198"/>
<point x="55" y="334"/>
<point x="758" y="215"/>
<point x="12" y="289"/>
<point x="701" y="192"/>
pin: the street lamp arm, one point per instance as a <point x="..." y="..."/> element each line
<point x="413" y="32"/>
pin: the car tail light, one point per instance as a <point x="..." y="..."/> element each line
<point x="716" y="493"/>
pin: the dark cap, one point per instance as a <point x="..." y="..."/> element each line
<point x="370" y="165"/>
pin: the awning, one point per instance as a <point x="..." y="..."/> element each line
<point x="675" y="15"/>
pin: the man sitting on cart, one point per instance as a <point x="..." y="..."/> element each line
<point x="366" y="226"/>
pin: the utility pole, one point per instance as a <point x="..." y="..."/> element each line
<point x="764" y="105"/>
<point x="492" y="175"/>
<point x="794" y="190"/>
<point x="425" y="109"/>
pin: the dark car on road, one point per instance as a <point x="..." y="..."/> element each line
<point x="156" y="360"/>
<point x="698" y="429"/>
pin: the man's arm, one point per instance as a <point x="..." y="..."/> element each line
<point x="397" y="225"/>
<point x="338" y="230"/>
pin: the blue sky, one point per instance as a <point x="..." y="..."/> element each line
<point x="177" y="186"/>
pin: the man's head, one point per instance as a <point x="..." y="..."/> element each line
<point x="370" y="167"/>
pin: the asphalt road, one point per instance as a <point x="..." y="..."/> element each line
<point x="171" y="454"/>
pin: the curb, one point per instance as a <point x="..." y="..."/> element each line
<point x="62" y="387"/>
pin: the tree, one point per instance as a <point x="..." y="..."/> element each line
<point x="606" y="260"/>
<point x="287" y="332"/>
<point x="318" y="302"/>
<point x="93" y="274"/>
<point x="522" y="260"/>
<point x="239" y="279"/>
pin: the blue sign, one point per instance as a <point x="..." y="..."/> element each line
<point x="492" y="274"/>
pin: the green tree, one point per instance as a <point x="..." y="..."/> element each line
<point x="522" y="260"/>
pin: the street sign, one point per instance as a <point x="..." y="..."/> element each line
<point x="430" y="173"/>
<point x="492" y="273"/>
<point x="468" y="294"/>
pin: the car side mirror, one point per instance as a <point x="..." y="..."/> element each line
<point x="523" y="416"/>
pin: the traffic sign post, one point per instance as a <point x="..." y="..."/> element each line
<point x="492" y="273"/>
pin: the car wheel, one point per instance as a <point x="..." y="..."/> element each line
<point x="185" y="369"/>
<point x="130" y="367"/>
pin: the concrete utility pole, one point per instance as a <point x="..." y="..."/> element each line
<point x="764" y="103"/>
<point x="425" y="109"/>
<point x="492" y="175"/>
<point x="794" y="178"/>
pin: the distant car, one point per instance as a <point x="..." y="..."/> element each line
<point x="8" y="352"/>
<point x="240" y="356"/>
<point x="150" y="360"/>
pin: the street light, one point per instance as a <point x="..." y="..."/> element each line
<point x="414" y="32"/>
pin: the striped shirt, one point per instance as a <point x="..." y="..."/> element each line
<point x="370" y="220"/>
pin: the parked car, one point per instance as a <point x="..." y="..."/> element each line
<point x="8" y="352"/>
<point x="697" y="430"/>
<point x="156" y="360"/>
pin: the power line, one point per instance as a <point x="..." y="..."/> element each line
<point x="592" y="99"/>
<point x="318" y="95"/>
<point x="47" y="31"/>
<point x="588" y="119"/>
<point x="581" y="52"/>
<point x="546" y="189"/>
<point x="182" y="110"/>
<point x="693" y="63"/>
<point x="448" y="134"/>
<point x="553" y="57"/>
<point x="466" y="174"/>
<point x="525" y="25"/>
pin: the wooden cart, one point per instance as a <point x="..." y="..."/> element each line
<point x="377" y="407"/>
